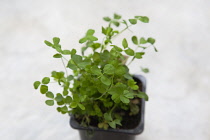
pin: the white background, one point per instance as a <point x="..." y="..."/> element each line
<point x="178" y="84"/>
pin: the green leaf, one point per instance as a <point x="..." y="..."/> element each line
<point x="117" y="48"/>
<point x="70" y="77"/>
<point x="151" y="40"/>
<point x="92" y="38"/>
<point x="57" y="55"/>
<point x="95" y="70"/>
<point x="107" y="19"/>
<point x="43" y="89"/>
<point x="116" y="16"/>
<point x="73" y="105"/>
<point x="109" y="69"/>
<point x="66" y="52"/>
<point x="76" y="58"/>
<point x="139" y="55"/>
<point x="133" y="21"/>
<point x="65" y="92"/>
<point x="36" y="84"/>
<point x="145" y="70"/>
<point x="143" y="40"/>
<point x="81" y="106"/>
<point x="112" y="124"/>
<point x="106" y="80"/>
<point x="49" y="102"/>
<point x="142" y="18"/>
<point x="90" y="32"/>
<point x="128" y="94"/>
<point x="118" y="121"/>
<point x="59" y="97"/>
<point x="68" y="99"/>
<point x="56" y="40"/>
<point x="50" y="95"/>
<point x="64" y="109"/>
<point x="134" y="40"/>
<point x="120" y="70"/>
<point x="108" y="116"/>
<point x="143" y="95"/>
<point x="125" y="43"/>
<point x="116" y="23"/>
<point x="124" y="99"/>
<point x="73" y="51"/>
<point x="71" y="66"/>
<point x="45" y="80"/>
<point x="83" y="40"/>
<point x="48" y="43"/>
<point x="130" y="52"/>
<point x="131" y="83"/>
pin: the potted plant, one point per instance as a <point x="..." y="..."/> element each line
<point x="100" y="94"/>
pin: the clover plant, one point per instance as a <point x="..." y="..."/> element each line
<point x="100" y="82"/>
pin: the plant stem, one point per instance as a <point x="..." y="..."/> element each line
<point x="64" y="67"/>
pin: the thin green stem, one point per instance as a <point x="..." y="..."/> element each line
<point x="64" y="66"/>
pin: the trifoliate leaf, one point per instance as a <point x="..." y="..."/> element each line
<point x="49" y="102"/>
<point x="36" y="84"/>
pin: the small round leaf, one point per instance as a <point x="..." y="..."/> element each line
<point x="49" y="102"/>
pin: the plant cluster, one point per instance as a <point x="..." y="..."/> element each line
<point x="100" y="82"/>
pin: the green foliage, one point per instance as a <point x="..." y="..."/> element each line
<point x="100" y="82"/>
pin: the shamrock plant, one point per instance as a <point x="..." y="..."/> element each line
<point x="100" y="83"/>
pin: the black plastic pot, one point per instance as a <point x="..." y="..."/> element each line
<point x="94" y="133"/>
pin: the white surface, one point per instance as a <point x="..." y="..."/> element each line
<point x="178" y="85"/>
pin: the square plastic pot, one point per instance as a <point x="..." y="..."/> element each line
<point x="94" y="133"/>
